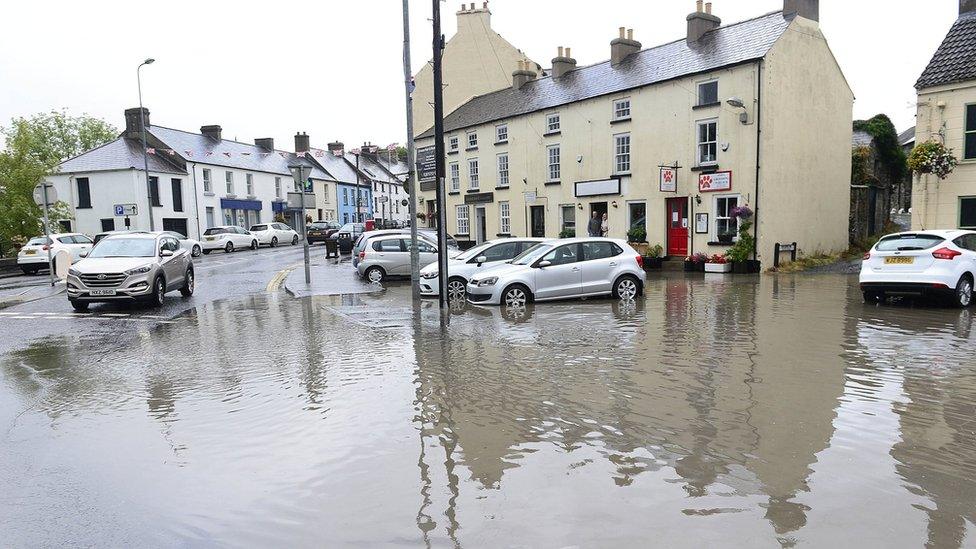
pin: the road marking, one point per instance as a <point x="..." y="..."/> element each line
<point x="119" y="315"/>
<point x="279" y="278"/>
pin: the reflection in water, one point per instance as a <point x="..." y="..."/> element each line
<point x="727" y="411"/>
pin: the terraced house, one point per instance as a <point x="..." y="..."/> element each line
<point x="669" y="139"/>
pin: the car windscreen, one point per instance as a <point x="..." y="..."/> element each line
<point x="176" y="235"/>
<point x="908" y="242"/>
<point x="125" y="247"/>
<point x="533" y="253"/>
<point x="215" y="230"/>
<point x="38" y="241"/>
<point x="259" y="227"/>
<point x="317" y="226"/>
<point x="347" y="228"/>
<point x="472" y="253"/>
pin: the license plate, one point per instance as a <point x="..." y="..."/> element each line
<point x="899" y="260"/>
<point x="101" y="292"/>
<point x="30" y="252"/>
<point x="208" y="238"/>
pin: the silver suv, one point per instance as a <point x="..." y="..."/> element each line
<point x="386" y="256"/>
<point x="131" y="267"/>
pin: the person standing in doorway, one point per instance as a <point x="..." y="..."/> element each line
<point x="593" y="227"/>
<point x="605" y="226"/>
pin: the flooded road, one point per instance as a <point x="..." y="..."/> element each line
<point x="759" y="412"/>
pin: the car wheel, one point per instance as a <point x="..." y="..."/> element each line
<point x="79" y="306"/>
<point x="375" y="275"/>
<point x="515" y="296"/>
<point x="189" y="283"/>
<point x="456" y="289"/>
<point x="274" y="241"/>
<point x="626" y="288"/>
<point x="29" y="270"/>
<point x="873" y="297"/>
<point x="159" y="292"/>
<point x="206" y="252"/>
<point x="964" y="292"/>
<point x="294" y="240"/>
<point x="195" y="252"/>
<point x="254" y="244"/>
<point x="229" y="248"/>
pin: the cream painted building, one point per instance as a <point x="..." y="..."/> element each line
<point x="947" y="113"/>
<point x="476" y="60"/>
<point x="730" y="107"/>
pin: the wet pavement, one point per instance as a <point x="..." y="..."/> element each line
<point x="740" y="411"/>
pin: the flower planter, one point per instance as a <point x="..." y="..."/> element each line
<point x="745" y="267"/>
<point x="652" y="263"/>
<point x="718" y="267"/>
<point x="691" y="266"/>
<point x="640" y="247"/>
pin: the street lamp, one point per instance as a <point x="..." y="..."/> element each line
<point x="300" y="173"/>
<point x="145" y="152"/>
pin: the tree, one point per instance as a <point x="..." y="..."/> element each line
<point x="34" y="148"/>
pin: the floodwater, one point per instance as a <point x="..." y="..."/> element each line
<point x="757" y="412"/>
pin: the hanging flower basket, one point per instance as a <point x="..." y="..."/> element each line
<point x="932" y="157"/>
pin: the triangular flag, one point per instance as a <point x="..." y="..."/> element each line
<point x="300" y="155"/>
<point x="150" y="150"/>
<point x="227" y="154"/>
<point x="188" y="153"/>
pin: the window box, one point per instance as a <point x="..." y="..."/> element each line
<point x="502" y="188"/>
<point x="718" y="267"/>
<point x="453" y="193"/>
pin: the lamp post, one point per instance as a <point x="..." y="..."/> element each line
<point x="145" y="152"/>
<point x="300" y="174"/>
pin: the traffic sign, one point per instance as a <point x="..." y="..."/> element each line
<point x="404" y="202"/>
<point x="52" y="194"/>
<point x="382" y="199"/>
<point x="126" y="210"/>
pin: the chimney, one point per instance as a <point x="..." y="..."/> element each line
<point x="810" y="9"/>
<point x="266" y="143"/>
<point x="965" y="6"/>
<point x="213" y="132"/>
<point x="336" y="146"/>
<point x="522" y="76"/>
<point x="301" y="142"/>
<point x="623" y="46"/>
<point x="466" y="13"/>
<point x="133" y="122"/>
<point x="562" y="64"/>
<point x="701" y="22"/>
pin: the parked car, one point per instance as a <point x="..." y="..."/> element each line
<point x="34" y="255"/>
<point x="100" y="236"/>
<point x="461" y="268"/>
<point x="388" y="256"/>
<point x="273" y="234"/>
<point x="347" y="234"/>
<point x="135" y="267"/>
<point x="227" y="238"/>
<point x="361" y="242"/>
<point x="562" y="269"/>
<point x="320" y="231"/>
<point x="931" y="263"/>
<point x="188" y="244"/>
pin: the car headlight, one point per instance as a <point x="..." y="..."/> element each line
<point x="490" y="281"/>
<point x="139" y="270"/>
<point x="429" y="275"/>
<point x="74" y="272"/>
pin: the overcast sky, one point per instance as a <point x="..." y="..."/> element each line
<point x="333" y="68"/>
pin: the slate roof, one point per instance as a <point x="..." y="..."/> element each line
<point x="729" y="45"/>
<point x="121" y="154"/>
<point x="336" y="166"/>
<point x="861" y="139"/>
<point x="907" y="136"/>
<point x="955" y="60"/>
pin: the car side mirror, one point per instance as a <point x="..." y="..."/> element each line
<point x="481" y="259"/>
<point x="544" y="264"/>
<point x="83" y="254"/>
<point x="165" y="253"/>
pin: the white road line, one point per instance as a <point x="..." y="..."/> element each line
<point x="8" y="314"/>
<point x="117" y="315"/>
<point x="23" y="317"/>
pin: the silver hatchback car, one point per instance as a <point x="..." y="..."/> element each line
<point x="386" y="256"/>
<point x="562" y="269"/>
<point x="131" y="267"/>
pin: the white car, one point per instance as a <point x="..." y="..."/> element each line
<point x="227" y="238"/>
<point x="939" y="263"/>
<point x="462" y="267"/>
<point x="562" y="269"/>
<point x="188" y="244"/>
<point x="273" y="234"/>
<point x="33" y="256"/>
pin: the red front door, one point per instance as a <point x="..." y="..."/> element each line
<point x="677" y="217"/>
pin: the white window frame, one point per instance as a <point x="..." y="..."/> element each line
<point x="504" y="217"/>
<point x="463" y="223"/>
<point x="454" y="169"/>
<point x="698" y="89"/>
<point x="621" y="153"/>
<point x="474" y="177"/>
<point x="249" y="183"/>
<point x="471" y="140"/>
<point x="453" y="143"/>
<point x="562" y="216"/>
<point x="502" y="163"/>
<point x="207" y="181"/>
<point x="277" y="187"/>
<point x="699" y="143"/>
<point x="716" y="218"/>
<point x="553" y="163"/>
<point x="501" y="133"/>
<point x="553" y="123"/>
<point x="229" y="181"/>
<point x="621" y="109"/>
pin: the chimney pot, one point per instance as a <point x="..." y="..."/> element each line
<point x="523" y="75"/>
<point x="708" y="8"/>
<point x="700" y="23"/>
<point x="213" y="131"/>
<point x="630" y="34"/>
<point x="698" y="6"/>
<point x="623" y="46"/>
<point x="484" y="5"/>
<point x="560" y="50"/>
<point x="563" y="63"/>
<point x="622" y="31"/>
<point x="568" y="54"/>
<point x="133" y="122"/>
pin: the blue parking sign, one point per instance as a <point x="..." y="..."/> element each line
<point x="119" y="209"/>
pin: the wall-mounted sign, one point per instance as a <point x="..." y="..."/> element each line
<point x="715" y="182"/>
<point x="479" y="198"/>
<point x="701" y="223"/>
<point x="669" y="180"/>
<point x="601" y="187"/>
<point x="126" y="209"/>
<point x="426" y="164"/>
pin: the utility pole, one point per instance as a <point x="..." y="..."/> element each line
<point x="145" y="150"/>
<point x="439" y="169"/>
<point x="411" y="156"/>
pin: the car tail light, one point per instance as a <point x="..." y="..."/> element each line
<point x="867" y="256"/>
<point x="362" y="255"/>
<point x="640" y="261"/>
<point x="45" y="248"/>
<point x="946" y="253"/>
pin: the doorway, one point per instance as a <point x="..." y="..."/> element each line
<point x="677" y="219"/>
<point x="600" y="208"/>
<point x="480" y="227"/>
<point x="538" y="216"/>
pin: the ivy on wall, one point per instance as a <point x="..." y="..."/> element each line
<point x="890" y="155"/>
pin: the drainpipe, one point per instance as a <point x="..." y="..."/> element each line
<point x="755" y="228"/>
<point x="196" y="199"/>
